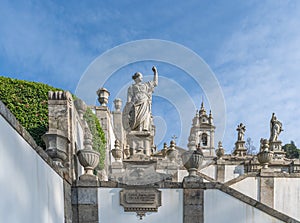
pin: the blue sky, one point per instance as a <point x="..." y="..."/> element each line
<point x="252" y="47"/>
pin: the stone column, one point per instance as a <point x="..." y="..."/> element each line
<point x="85" y="201"/>
<point x="266" y="187"/>
<point x="220" y="174"/>
<point x="212" y="141"/>
<point x="117" y="122"/>
<point x="193" y="200"/>
<point x="68" y="202"/>
<point x="61" y="122"/>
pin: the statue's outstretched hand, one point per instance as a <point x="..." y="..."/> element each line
<point x="154" y="69"/>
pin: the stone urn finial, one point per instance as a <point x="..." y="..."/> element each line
<point x="56" y="145"/>
<point x="117" y="152"/>
<point x="88" y="157"/>
<point x="127" y="151"/>
<point x="118" y="104"/>
<point x="103" y="95"/>
<point x="192" y="160"/>
<point x="80" y="107"/>
<point x="172" y="151"/>
<point x="265" y="155"/>
<point x="220" y="151"/>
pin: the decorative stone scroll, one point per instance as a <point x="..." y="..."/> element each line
<point x="140" y="200"/>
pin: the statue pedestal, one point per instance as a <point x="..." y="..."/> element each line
<point x="140" y="142"/>
<point x="276" y="147"/>
<point x="117" y="167"/>
<point x="240" y="149"/>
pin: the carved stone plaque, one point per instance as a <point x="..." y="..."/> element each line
<point x="140" y="200"/>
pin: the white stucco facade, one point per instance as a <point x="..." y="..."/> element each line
<point x="30" y="191"/>
<point x="248" y="186"/>
<point x="232" y="171"/>
<point x="209" y="171"/>
<point x="220" y="207"/>
<point x="287" y="196"/>
<point x="110" y="210"/>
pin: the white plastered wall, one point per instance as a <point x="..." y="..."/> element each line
<point x="110" y="210"/>
<point x="30" y="191"/>
<point x="209" y="171"/>
<point x="248" y="186"/>
<point x="220" y="207"/>
<point x="232" y="171"/>
<point x="287" y="196"/>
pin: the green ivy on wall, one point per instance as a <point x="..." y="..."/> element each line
<point x="98" y="135"/>
<point x="28" y="101"/>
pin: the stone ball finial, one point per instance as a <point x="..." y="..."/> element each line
<point x="103" y="95"/>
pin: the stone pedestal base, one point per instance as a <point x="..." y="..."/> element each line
<point x="240" y="149"/>
<point x="85" y="199"/>
<point x="87" y="180"/>
<point x="276" y="147"/>
<point x="193" y="198"/>
<point x="117" y="167"/>
<point x="140" y="142"/>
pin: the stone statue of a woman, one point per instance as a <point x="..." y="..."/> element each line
<point x="137" y="112"/>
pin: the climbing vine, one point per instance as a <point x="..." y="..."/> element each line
<point x="99" y="140"/>
<point x="28" y="101"/>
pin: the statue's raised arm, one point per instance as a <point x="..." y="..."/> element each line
<point x="155" y="78"/>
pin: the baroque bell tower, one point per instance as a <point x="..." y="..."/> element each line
<point x="202" y="132"/>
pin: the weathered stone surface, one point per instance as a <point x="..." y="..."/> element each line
<point x="193" y="206"/>
<point x="192" y="219"/>
<point x="87" y="213"/>
<point x="87" y="196"/>
<point x="221" y="172"/>
<point x="68" y="202"/>
<point x="192" y="182"/>
<point x="75" y="214"/>
<point x="267" y="191"/>
<point x="87" y="180"/>
<point x="192" y="196"/>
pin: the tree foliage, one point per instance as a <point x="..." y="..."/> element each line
<point x="28" y="101"/>
<point x="251" y="149"/>
<point x="292" y="152"/>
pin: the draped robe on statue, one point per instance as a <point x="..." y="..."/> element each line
<point x="140" y="97"/>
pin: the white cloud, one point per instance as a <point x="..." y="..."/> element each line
<point x="258" y="68"/>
